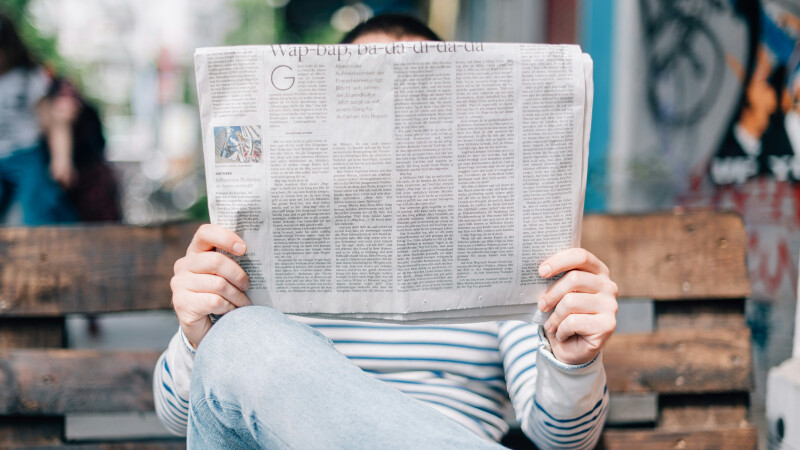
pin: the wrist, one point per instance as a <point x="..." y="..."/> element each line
<point x="554" y="347"/>
<point x="190" y="347"/>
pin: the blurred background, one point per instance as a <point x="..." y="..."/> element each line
<point x="696" y="106"/>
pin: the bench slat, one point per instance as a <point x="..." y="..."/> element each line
<point x="50" y="271"/>
<point x="41" y="382"/>
<point x="703" y="411"/>
<point x="64" y="381"/>
<point x="680" y="361"/>
<point x="171" y="444"/>
<point x="727" y="438"/>
<point x="672" y="256"/>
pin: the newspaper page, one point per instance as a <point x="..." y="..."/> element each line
<point x="409" y="181"/>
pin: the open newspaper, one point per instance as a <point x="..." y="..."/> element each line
<point x="411" y="181"/>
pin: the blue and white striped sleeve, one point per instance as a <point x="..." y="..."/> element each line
<point x="558" y="405"/>
<point x="171" y="379"/>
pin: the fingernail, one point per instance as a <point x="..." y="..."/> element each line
<point x="246" y="285"/>
<point x="542" y="305"/>
<point x="547" y="326"/>
<point x="544" y="270"/>
<point x="239" y="248"/>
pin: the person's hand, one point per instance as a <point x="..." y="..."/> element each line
<point x="63" y="171"/>
<point x="207" y="282"/>
<point x="584" y="305"/>
<point x="58" y="115"/>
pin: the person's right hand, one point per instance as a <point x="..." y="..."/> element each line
<point x="207" y="282"/>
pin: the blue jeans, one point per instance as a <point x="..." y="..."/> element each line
<point x="25" y="178"/>
<point x="262" y="380"/>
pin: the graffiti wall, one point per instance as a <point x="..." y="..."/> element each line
<point x="711" y="118"/>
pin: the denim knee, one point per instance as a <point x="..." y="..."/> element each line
<point x="247" y="344"/>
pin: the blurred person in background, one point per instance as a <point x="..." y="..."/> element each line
<point x="92" y="186"/>
<point x="26" y="114"/>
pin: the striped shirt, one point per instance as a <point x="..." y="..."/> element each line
<point x="477" y="374"/>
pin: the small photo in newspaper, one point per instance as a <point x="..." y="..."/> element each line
<point x="237" y="144"/>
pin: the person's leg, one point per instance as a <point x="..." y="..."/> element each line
<point x="43" y="201"/>
<point x="263" y="380"/>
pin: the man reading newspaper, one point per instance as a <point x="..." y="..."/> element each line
<point x="259" y="379"/>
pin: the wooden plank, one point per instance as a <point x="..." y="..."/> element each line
<point x="48" y="271"/>
<point x="39" y="332"/>
<point x="172" y="444"/>
<point x="727" y="438"/>
<point x="700" y="314"/>
<point x="680" y="361"/>
<point x="66" y="381"/>
<point x="34" y="382"/>
<point x="26" y="332"/>
<point x="703" y="411"/>
<point x="672" y="256"/>
<point x="17" y="431"/>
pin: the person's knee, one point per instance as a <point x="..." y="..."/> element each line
<point x="246" y="345"/>
<point x="239" y="333"/>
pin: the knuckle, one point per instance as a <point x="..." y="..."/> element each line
<point x="216" y="301"/>
<point x="242" y="278"/>
<point x="585" y="257"/>
<point x="567" y="301"/>
<point x="215" y="258"/>
<point x="173" y="284"/>
<point x="573" y="277"/>
<point x="219" y="284"/>
<point x="613" y="288"/>
<point x="611" y="324"/>
<point x="178" y="266"/>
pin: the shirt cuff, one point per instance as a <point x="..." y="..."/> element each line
<point x="547" y="353"/>
<point x="186" y="344"/>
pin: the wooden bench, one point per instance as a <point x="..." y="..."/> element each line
<point x="682" y="380"/>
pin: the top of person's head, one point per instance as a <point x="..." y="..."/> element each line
<point x="392" y="24"/>
<point x="14" y="52"/>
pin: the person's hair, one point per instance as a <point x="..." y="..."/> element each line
<point x="15" y="52"/>
<point x="393" y="24"/>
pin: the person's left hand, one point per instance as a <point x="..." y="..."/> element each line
<point x="584" y="305"/>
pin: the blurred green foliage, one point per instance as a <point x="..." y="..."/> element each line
<point x="44" y="48"/>
<point x="260" y="23"/>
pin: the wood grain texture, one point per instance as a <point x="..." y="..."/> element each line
<point x="104" y="268"/>
<point x="48" y="271"/>
<point x="40" y="382"/>
<point x="703" y="411"/>
<point x="133" y="445"/>
<point x="672" y="256"/>
<point x="64" y="381"/>
<point x="714" y="439"/>
<point x="680" y="361"/>
<point x="700" y="314"/>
